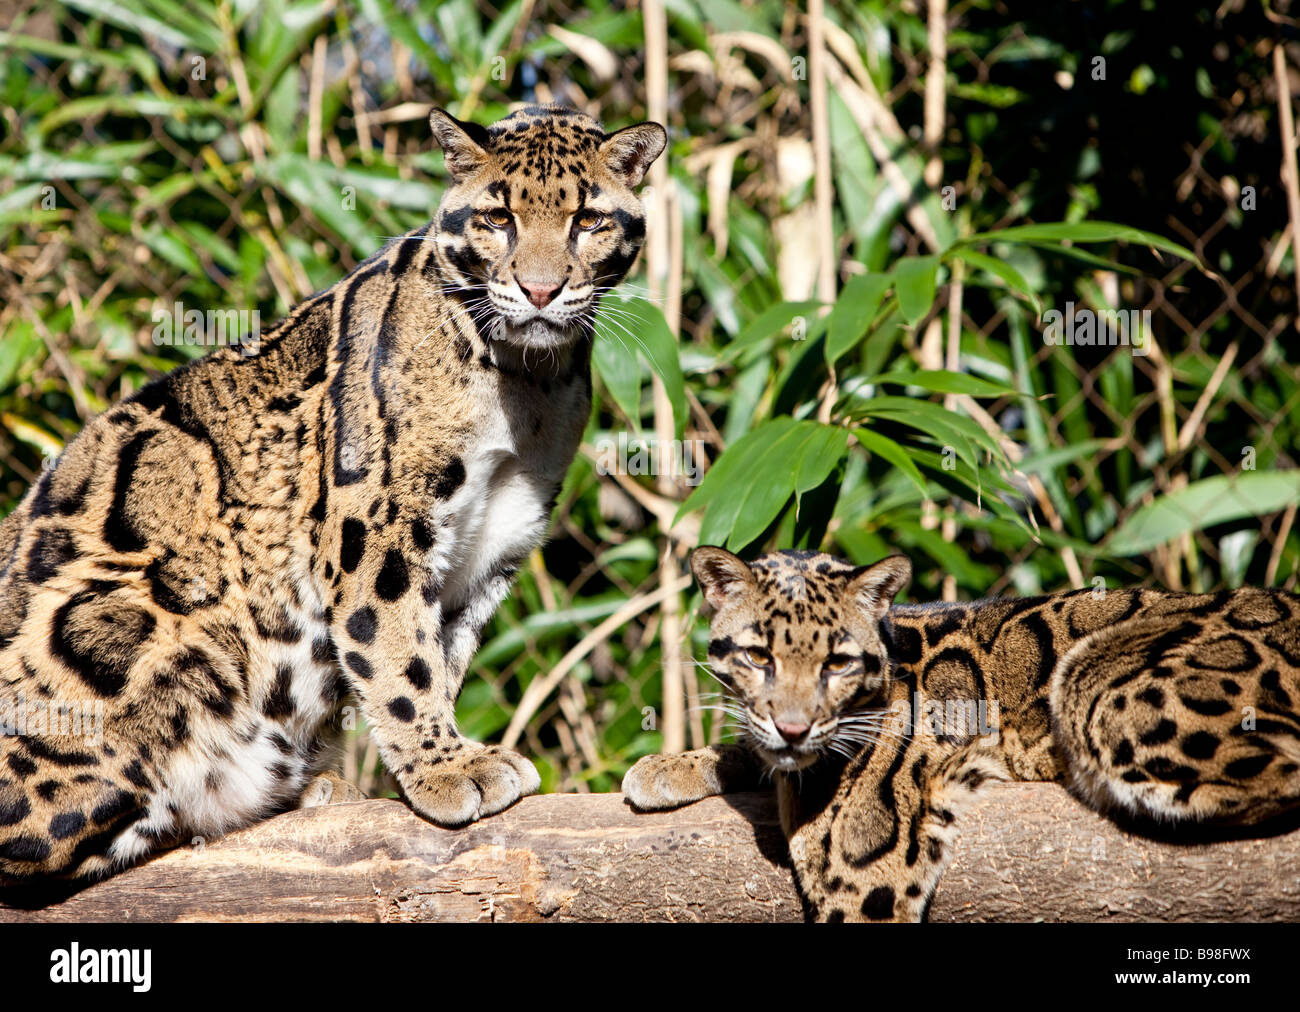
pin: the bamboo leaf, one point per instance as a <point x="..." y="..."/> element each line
<point x="887" y="449"/>
<point x="855" y="311"/>
<point x="1080" y="231"/>
<point x="643" y="324"/>
<point x="914" y="280"/>
<point x="1203" y="504"/>
<point x="999" y="269"/>
<point x="945" y="382"/>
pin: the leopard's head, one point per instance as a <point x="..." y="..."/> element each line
<point x="796" y="639"/>
<point x="540" y="219"/>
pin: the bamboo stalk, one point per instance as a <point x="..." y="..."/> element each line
<point x="315" y="97"/>
<point x="1275" y="557"/>
<point x="665" y="290"/>
<point x="952" y="361"/>
<point x="935" y="89"/>
<point x="1192" y="427"/>
<point x="823" y="195"/>
<point x="1290" y="177"/>
<point x="540" y="688"/>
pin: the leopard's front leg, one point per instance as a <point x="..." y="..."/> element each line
<point x="405" y="655"/>
<point x="875" y="847"/>
<point x="657" y="782"/>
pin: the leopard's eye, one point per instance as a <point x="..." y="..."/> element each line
<point x="589" y="220"/>
<point x="837" y="666"/>
<point x="498" y="217"/>
<point x="758" y="658"/>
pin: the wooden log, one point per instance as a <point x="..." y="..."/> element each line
<point x="561" y="857"/>
<point x="1029" y="852"/>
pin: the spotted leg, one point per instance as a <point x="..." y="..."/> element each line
<point x="872" y="846"/>
<point x="404" y="653"/>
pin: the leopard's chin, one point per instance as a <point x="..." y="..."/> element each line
<point x="537" y="334"/>
<point x="788" y="760"/>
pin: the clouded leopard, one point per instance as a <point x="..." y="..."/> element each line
<point x="217" y="561"/>
<point x="1153" y="707"/>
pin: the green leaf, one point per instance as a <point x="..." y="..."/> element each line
<point x="770" y="322"/>
<point x="855" y="311"/>
<point x="914" y="283"/>
<point x="1081" y="255"/>
<point x="186" y="30"/>
<point x="541" y="626"/>
<point x="642" y="323"/>
<point x="999" y="269"/>
<point x="887" y="449"/>
<point x="821" y="454"/>
<point x="620" y="369"/>
<point x="945" y="427"/>
<point x="96" y="106"/>
<point x="1203" y="504"/>
<point x="315" y="185"/>
<point x="805" y="451"/>
<point x="944" y="382"/>
<point x="1000" y="96"/>
<point x="126" y="58"/>
<point x="1080" y="231"/>
<point x="19" y="346"/>
<point x="729" y="471"/>
<point x="1047" y="461"/>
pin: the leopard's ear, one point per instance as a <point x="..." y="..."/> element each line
<point x="465" y="144"/>
<point x="629" y="152"/>
<point x="873" y="588"/>
<point x="724" y="578"/>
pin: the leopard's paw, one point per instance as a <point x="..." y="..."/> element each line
<point x="329" y="789"/>
<point x="657" y="782"/>
<point x="479" y="780"/>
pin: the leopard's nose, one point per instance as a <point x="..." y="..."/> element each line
<point x="540" y="293"/>
<point x="793" y="733"/>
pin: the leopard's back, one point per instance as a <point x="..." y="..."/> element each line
<point x="1165" y="708"/>
<point x="1169" y="706"/>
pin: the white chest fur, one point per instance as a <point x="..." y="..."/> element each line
<point x="496" y="517"/>
<point x="514" y="462"/>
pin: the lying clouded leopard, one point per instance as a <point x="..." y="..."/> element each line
<point x="1157" y="707"/>
<point x="224" y="556"/>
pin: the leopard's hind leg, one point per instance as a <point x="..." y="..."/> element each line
<point x="329" y="788"/>
<point x="72" y="807"/>
<point x="1180" y="719"/>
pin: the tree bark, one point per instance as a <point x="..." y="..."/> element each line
<point x="1028" y="852"/>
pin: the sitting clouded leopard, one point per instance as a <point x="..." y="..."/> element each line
<point x="216" y="562"/>
<point x="1156" y="707"/>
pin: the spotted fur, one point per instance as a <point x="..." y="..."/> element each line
<point x="1160" y="709"/>
<point x="222" y="559"/>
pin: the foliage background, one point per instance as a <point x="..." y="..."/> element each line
<point x="242" y="155"/>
